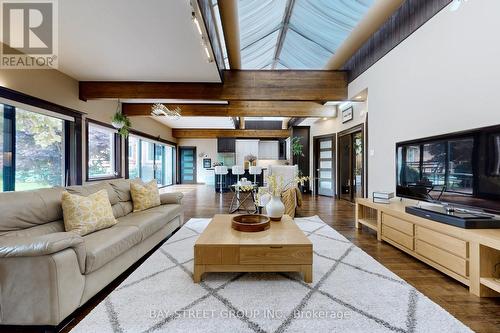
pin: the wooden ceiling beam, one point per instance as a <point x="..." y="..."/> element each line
<point x="228" y="10"/>
<point x="289" y="85"/>
<point x="241" y="109"/>
<point x="228" y="133"/>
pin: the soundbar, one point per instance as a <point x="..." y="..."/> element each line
<point x="457" y="217"/>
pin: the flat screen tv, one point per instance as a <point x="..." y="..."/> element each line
<point x="460" y="168"/>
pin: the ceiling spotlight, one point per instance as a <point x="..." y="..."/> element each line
<point x="161" y="110"/>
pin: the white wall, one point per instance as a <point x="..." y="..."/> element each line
<point x="207" y="146"/>
<point x="443" y="78"/>
<point x="58" y="88"/>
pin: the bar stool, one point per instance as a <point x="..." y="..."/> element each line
<point x="220" y="170"/>
<point x="255" y="170"/>
<point x="238" y="170"/>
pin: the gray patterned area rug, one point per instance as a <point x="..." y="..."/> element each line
<point x="351" y="292"/>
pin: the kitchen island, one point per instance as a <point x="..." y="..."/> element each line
<point x="231" y="179"/>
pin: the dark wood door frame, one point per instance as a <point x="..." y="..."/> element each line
<point x="195" y="161"/>
<point x="349" y="131"/>
<point x="315" y="161"/>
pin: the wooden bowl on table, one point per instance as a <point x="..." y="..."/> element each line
<point x="250" y="223"/>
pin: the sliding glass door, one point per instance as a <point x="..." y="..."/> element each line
<point x="32" y="148"/>
<point x="149" y="160"/>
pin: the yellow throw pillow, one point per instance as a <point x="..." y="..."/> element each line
<point x="144" y="196"/>
<point x="84" y="215"/>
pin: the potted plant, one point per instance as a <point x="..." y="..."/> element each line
<point x="297" y="151"/>
<point x="121" y="122"/>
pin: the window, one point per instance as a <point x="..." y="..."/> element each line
<point x="103" y="152"/>
<point x="149" y="159"/>
<point x="33" y="149"/>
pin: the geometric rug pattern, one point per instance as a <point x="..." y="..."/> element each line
<point x="350" y="292"/>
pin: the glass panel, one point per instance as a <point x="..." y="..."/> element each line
<point x="159" y="152"/>
<point x="147" y="161"/>
<point x="39" y="151"/>
<point x="325" y="164"/>
<point x="133" y="157"/>
<point x="325" y="174"/>
<point x="358" y="164"/>
<point x="325" y="144"/>
<point x="1" y="147"/>
<point x="325" y="185"/>
<point x="101" y="143"/>
<point x="168" y="168"/>
<point x="434" y="165"/>
<point x="188" y="177"/>
<point x="409" y="165"/>
<point x="325" y="154"/>
<point x="460" y="174"/>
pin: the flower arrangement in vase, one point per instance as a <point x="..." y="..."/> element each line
<point x="252" y="159"/>
<point x="275" y="188"/>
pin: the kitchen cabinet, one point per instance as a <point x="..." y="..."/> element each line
<point x="226" y="145"/>
<point x="269" y="150"/>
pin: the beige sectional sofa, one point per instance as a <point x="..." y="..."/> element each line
<point x="47" y="273"/>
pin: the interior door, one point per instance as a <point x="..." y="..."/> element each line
<point x="345" y="167"/>
<point x="325" y="162"/>
<point x="351" y="165"/>
<point x="187" y="165"/>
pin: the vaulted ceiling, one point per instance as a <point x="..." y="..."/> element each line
<point x="295" y="34"/>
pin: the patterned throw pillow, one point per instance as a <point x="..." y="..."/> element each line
<point x="144" y="196"/>
<point x="84" y="215"/>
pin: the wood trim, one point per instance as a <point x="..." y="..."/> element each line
<point x="240" y="109"/>
<point x="38" y="102"/>
<point x="407" y="19"/>
<point x="152" y="137"/>
<point x="275" y="85"/>
<point x="228" y="133"/>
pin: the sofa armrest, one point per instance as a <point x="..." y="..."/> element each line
<point x="43" y="245"/>
<point x="171" y="198"/>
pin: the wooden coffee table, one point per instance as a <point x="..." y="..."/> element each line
<point x="281" y="248"/>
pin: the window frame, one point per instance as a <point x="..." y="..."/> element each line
<point x="156" y="141"/>
<point x="117" y="144"/>
<point x="72" y="133"/>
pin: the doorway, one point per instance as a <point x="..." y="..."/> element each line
<point x="324" y="164"/>
<point x="187" y="165"/>
<point x="351" y="163"/>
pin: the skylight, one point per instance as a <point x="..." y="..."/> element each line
<point x="295" y="34"/>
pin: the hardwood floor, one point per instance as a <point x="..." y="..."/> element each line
<point x="480" y="314"/>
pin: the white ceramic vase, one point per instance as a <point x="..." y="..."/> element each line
<point x="275" y="208"/>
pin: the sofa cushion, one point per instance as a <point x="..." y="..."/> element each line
<point x="122" y="188"/>
<point x="26" y="209"/>
<point x="86" y="190"/>
<point x="84" y="215"/>
<point x="105" y="245"/>
<point x="145" y="196"/>
<point x="151" y="220"/>
<point x="122" y="208"/>
<point x="39" y="230"/>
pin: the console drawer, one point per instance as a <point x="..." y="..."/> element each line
<point x="454" y="245"/>
<point x="398" y="224"/>
<point x="276" y="255"/>
<point x="443" y="258"/>
<point x="398" y="237"/>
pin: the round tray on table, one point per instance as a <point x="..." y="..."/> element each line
<point x="250" y="223"/>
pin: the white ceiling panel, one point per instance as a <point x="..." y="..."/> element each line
<point x="133" y="40"/>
